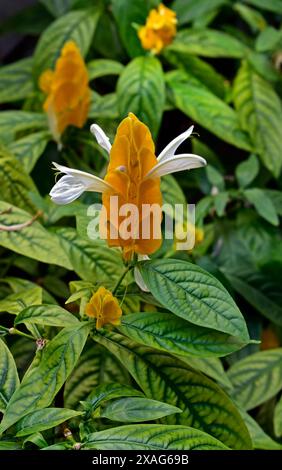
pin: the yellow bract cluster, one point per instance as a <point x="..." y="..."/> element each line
<point x="104" y="307"/>
<point x="132" y="157"/>
<point x="159" y="30"/>
<point x="67" y="90"/>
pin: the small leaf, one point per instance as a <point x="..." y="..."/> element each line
<point x="9" y="380"/>
<point x="107" y="392"/>
<point x="52" y="315"/>
<point x="40" y="420"/>
<point x="269" y="39"/>
<point x="101" y="67"/>
<point x="257" y="378"/>
<point x="262" y="204"/>
<point x="247" y="171"/>
<point x="220" y="202"/>
<point x="152" y="437"/>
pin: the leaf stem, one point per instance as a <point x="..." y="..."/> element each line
<point x="14" y="331"/>
<point x="121" y="279"/>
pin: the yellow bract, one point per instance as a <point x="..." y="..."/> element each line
<point x="132" y="156"/>
<point x="68" y="93"/>
<point x="104" y="307"/>
<point x="159" y="30"/>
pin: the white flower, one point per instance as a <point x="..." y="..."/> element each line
<point x="75" y="182"/>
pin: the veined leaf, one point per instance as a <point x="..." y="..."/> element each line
<point x="141" y="90"/>
<point x="40" y="420"/>
<point x="100" y="67"/>
<point x="152" y="437"/>
<point x="103" y="107"/>
<point x="262" y="204"/>
<point x="210" y="366"/>
<point x="278" y="419"/>
<point x="78" y="26"/>
<point x="16" y="81"/>
<point x="193" y="9"/>
<point x="58" y="360"/>
<point x="12" y="122"/>
<point x="200" y="104"/>
<point x="257" y="378"/>
<point x="260" y="113"/>
<point x="195" y="295"/>
<point x="169" y="333"/>
<point x="109" y="391"/>
<point x="162" y="377"/>
<point x="34" y="241"/>
<point x="137" y="410"/>
<point x="28" y="149"/>
<point x="95" y="367"/>
<point x="9" y="380"/>
<point x="14" y="303"/>
<point x="91" y="260"/>
<point x="52" y="315"/>
<point x="260" y="439"/>
<point x="208" y="43"/>
<point x="247" y="171"/>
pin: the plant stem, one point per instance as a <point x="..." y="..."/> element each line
<point x="121" y="279"/>
<point x="14" y="331"/>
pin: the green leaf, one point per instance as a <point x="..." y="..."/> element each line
<point x="101" y="67"/>
<point x="95" y="367"/>
<point x="91" y="260"/>
<point x="107" y="392"/>
<point x="278" y="419"/>
<point x="268" y="40"/>
<point x="247" y="171"/>
<point x="10" y="445"/>
<point x="126" y="15"/>
<point x="152" y="437"/>
<point x="15" y="184"/>
<point x="58" y="360"/>
<point x="271" y="5"/>
<point x="141" y="90"/>
<point x="220" y="202"/>
<point x="260" y="112"/>
<point x="210" y="366"/>
<point x="137" y="410"/>
<point x="58" y="7"/>
<point x="260" y="439"/>
<point x="262" y="204"/>
<point x="40" y="420"/>
<point x="34" y="241"/>
<point x="252" y="17"/>
<point x="9" y="380"/>
<point x="197" y="102"/>
<point x="162" y="377"/>
<point x="208" y="43"/>
<point x="12" y="122"/>
<point x="195" y="295"/>
<point x="215" y="177"/>
<point x="257" y="378"/>
<point x="78" y="26"/>
<point x="52" y="315"/>
<point x="103" y="107"/>
<point x="28" y="149"/>
<point x="14" y="303"/>
<point x="167" y="332"/>
<point x="192" y="10"/>
<point x="16" y="81"/>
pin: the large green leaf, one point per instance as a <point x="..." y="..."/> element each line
<point x="40" y="420"/>
<point x="260" y="112"/>
<point x="195" y="295"/>
<point x="28" y="149"/>
<point x="210" y="366"/>
<point x="193" y="9"/>
<point x="78" y="26"/>
<point x="33" y="241"/>
<point x="167" y="332"/>
<point x="257" y="377"/>
<point x="126" y="15"/>
<point x="58" y="360"/>
<point x="109" y="391"/>
<point x="102" y="67"/>
<point x="12" y="122"/>
<point x="260" y="439"/>
<point x="91" y="260"/>
<point x="52" y="315"/>
<point x="96" y="366"/>
<point x="16" y="81"/>
<point x="14" y="303"/>
<point x="141" y="90"/>
<point x="162" y="377"/>
<point x="137" y="410"/>
<point x="207" y="42"/>
<point x="9" y="380"/>
<point x="271" y="5"/>
<point x="152" y="437"/>
<point x="195" y="100"/>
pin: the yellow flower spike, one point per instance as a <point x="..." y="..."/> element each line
<point x="159" y="30"/>
<point x="104" y="307"/>
<point x="68" y="94"/>
<point x="132" y="156"/>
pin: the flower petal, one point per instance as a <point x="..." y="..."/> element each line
<point x="176" y="163"/>
<point x="101" y="137"/>
<point x="74" y="183"/>
<point x="137" y="275"/>
<point x="171" y="148"/>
